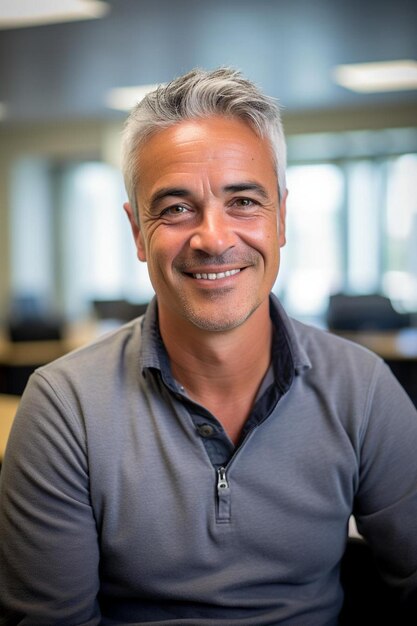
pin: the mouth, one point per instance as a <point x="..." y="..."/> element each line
<point x="214" y="275"/>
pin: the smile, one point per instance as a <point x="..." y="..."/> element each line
<point x="214" y="276"/>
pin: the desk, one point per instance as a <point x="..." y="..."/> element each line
<point x="400" y="345"/>
<point x="8" y="408"/>
<point x="36" y="353"/>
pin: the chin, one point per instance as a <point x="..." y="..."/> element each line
<point x="219" y="322"/>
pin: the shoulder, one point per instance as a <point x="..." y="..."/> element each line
<point x="319" y="343"/>
<point x="340" y="370"/>
<point x="356" y="376"/>
<point x="95" y="364"/>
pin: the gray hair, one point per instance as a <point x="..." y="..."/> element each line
<point x="197" y="95"/>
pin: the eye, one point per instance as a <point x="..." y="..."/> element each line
<point x="242" y="203"/>
<point x="176" y="209"/>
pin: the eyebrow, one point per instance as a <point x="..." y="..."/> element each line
<point x="178" y="192"/>
<point x="259" y="189"/>
<point x="182" y="192"/>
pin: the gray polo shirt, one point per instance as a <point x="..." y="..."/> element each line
<point x="123" y="502"/>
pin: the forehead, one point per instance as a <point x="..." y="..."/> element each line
<point x="209" y="144"/>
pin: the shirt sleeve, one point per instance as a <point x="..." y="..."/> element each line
<point x="386" y="503"/>
<point x="49" y="555"/>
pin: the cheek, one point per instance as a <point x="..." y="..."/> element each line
<point x="147" y="242"/>
<point x="160" y="254"/>
<point x="165" y="244"/>
<point x="270" y="247"/>
<point x="265" y="238"/>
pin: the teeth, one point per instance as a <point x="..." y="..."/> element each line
<point x="213" y="276"/>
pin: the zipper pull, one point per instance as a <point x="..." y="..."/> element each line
<point x="223" y="514"/>
<point x="221" y="479"/>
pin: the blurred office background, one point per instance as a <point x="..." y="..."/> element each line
<point x="352" y="210"/>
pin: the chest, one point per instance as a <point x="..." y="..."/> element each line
<point x="279" y="503"/>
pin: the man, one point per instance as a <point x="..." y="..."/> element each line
<point x="200" y="465"/>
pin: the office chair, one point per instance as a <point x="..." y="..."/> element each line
<point x="118" y="309"/>
<point x="363" y="312"/>
<point x="368" y="599"/>
<point x="35" y="329"/>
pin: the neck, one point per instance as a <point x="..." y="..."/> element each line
<point x="220" y="370"/>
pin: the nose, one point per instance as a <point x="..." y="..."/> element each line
<point x="214" y="233"/>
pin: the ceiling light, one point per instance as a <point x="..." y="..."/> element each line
<point x="125" y="98"/>
<point x="19" y="13"/>
<point x="377" y="77"/>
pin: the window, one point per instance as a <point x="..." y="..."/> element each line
<point x="31" y="234"/>
<point x="98" y="254"/>
<point x="351" y="220"/>
<point x="364" y="217"/>
<point x="399" y="275"/>
<point x="71" y="241"/>
<point x="312" y="262"/>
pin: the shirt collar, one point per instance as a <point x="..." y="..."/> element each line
<point x="285" y="327"/>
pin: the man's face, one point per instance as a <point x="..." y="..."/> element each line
<point x="211" y="226"/>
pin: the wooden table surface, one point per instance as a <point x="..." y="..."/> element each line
<point x="400" y="345"/>
<point x="8" y="408"/>
<point x="41" y="352"/>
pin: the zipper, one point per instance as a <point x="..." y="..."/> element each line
<point x="224" y="498"/>
<point x="223" y="513"/>
<point x="222" y="479"/>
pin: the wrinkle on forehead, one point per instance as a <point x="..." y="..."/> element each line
<point x="180" y="154"/>
<point x="215" y="136"/>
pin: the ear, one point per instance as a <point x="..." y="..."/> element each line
<point x="282" y="219"/>
<point x="136" y="231"/>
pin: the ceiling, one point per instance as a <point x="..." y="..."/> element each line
<point x="289" y="47"/>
